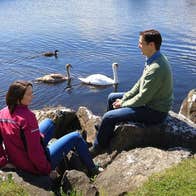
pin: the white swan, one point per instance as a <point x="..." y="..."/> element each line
<point x="100" y="79"/>
<point x="55" y="77"/>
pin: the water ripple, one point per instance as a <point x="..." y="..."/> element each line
<point x="91" y="40"/>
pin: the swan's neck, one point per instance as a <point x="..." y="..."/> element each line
<point x="115" y="75"/>
<point x="68" y="73"/>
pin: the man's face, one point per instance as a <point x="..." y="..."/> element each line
<point x="146" y="48"/>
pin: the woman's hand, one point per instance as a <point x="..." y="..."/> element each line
<point x="8" y="166"/>
<point x="54" y="174"/>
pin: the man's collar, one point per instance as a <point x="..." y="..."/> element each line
<point x="153" y="57"/>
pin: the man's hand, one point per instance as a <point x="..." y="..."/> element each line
<point x="117" y="103"/>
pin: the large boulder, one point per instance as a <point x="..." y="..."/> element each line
<point x="173" y="132"/>
<point x="188" y="107"/>
<point x="88" y="121"/>
<point x="77" y="180"/>
<point x="65" y="119"/>
<point x="131" y="169"/>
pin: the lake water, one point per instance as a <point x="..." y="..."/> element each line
<point x="91" y="35"/>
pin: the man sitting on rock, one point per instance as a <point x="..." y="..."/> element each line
<point x="148" y="101"/>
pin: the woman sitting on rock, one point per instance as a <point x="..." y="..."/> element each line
<point x="23" y="143"/>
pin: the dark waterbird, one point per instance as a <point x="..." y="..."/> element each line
<point x="50" y="54"/>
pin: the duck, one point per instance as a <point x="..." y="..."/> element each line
<point x="100" y="79"/>
<point x="49" y="54"/>
<point x="56" y="77"/>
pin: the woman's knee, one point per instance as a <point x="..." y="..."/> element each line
<point x="48" y="121"/>
<point x="74" y="135"/>
<point x="46" y="124"/>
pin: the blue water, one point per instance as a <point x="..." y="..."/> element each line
<point x="91" y="35"/>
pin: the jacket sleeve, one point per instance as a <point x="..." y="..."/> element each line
<point x="3" y="159"/>
<point x="35" y="150"/>
<point x="131" y="93"/>
<point x="147" y="90"/>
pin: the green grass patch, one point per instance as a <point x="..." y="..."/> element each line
<point x="9" y="188"/>
<point x="180" y="180"/>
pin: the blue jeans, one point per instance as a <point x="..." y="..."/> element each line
<point x="141" y="114"/>
<point x="58" y="149"/>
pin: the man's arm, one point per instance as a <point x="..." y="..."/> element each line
<point x="150" y="84"/>
<point x="131" y="93"/>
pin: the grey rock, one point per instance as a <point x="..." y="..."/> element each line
<point x="87" y="121"/>
<point x="131" y="169"/>
<point x="80" y="182"/>
<point x="173" y="132"/>
<point x="65" y="119"/>
<point x="188" y="107"/>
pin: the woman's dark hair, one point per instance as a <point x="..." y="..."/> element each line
<point x="152" y="36"/>
<point x="15" y="94"/>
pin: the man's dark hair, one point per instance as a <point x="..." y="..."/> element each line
<point x="152" y="36"/>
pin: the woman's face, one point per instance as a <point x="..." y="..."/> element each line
<point x="28" y="96"/>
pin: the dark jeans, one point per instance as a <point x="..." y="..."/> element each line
<point x="141" y="114"/>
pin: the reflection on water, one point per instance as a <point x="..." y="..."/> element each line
<point x="91" y="35"/>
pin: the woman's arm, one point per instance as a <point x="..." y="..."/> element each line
<point x="35" y="150"/>
<point x="3" y="158"/>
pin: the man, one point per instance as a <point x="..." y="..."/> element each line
<point x="148" y="101"/>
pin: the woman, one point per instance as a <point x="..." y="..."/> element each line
<point x="25" y="143"/>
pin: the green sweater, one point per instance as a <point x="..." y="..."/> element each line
<point x="154" y="89"/>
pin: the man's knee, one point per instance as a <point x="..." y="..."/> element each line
<point x="107" y="116"/>
<point x="73" y="136"/>
<point x="110" y="95"/>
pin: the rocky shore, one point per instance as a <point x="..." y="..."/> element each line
<point x="135" y="152"/>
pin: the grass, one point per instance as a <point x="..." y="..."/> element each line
<point x="9" y="188"/>
<point x="180" y="180"/>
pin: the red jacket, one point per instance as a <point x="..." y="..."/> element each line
<point x="31" y="158"/>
